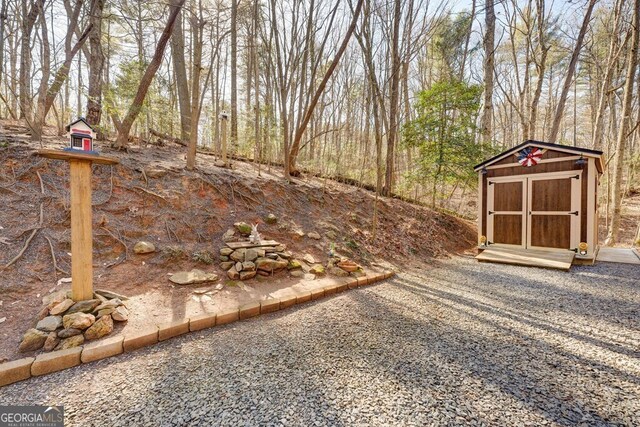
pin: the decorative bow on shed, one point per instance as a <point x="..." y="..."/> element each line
<point x="529" y="156"/>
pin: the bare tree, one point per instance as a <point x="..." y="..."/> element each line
<point x="625" y="126"/>
<point x="555" y="127"/>
<point x="489" y="70"/>
<point x="124" y="126"/>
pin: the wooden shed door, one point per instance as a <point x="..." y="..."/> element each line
<point x="554" y="212"/>
<point x="506" y="219"/>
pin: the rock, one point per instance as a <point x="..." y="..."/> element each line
<point x="298" y="234"/>
<point x="309" y="276"/>
<point x="32" y="340"/>
<point x="78" y="320"/>
<point x="100" y="297"/>
<point x="281" y="248"/>
<point x="331" y="235"/>
<point x="49" y="323"/>
<point x="228" y="235"/>
<point x="220" y="164"/>
<point x="219" y="287"/>
<point x="246" y="275"/>
<point x="112" y="303"/>
<point x="192" y="277"/>
<point x="358" y="273"/>
<point x="261" y="253"/>
<point x="263" y="273"/>
<point x="337" y="271"/>
<point x="111" y="295"/>
<point x="243" y="228"/>
<point x="62" y="307"/>
<point x="71" y="342"/>
<point x="44" y="312"/>
<point x="296" y="273"/>
<point x="294" y="264"/>
<point x="104" y="312"/>
<point x="84" y="306"/>
<point x="155" y="172"/>
<point x="285" y="254"/>
<point x="143" y="247"/>
<point x="267" y="264"/>
<point x="224" y="258"/>
<point x="69" y="332"/>
<point x="271" y="219"/>
<point x="317" y="269"/>
<point x="102" y="327"/>
<point x="51" y="342"/>
<point x="250" y="255"/>
<point x="55" y="298"/>
<point x="314" y="235"/>
<point x="226" y="251"/>
<point x="227" y="265"/>
<point x="238" y="255"/>
<point x="120" y="314"/>
<point x="239" y="266"/>
<point x="248" y="266"/>
<point x="233" y="274"/>
<point x="309" y="258"/>
<point x="272" y="256"/>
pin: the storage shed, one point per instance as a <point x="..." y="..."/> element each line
<point x="540" y="197"/>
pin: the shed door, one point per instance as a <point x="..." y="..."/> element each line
<point x="506" y="216"/>
<point x="554" y="212"/>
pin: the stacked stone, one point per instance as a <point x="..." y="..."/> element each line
<point x="246" y="263"/>
<point x="64" y="323"/>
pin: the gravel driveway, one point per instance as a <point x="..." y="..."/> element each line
<point x="460" y="343"/>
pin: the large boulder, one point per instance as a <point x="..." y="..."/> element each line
<point x="78" y="321"/>
<point x="192" y="277"/>
<point x="86" y="306"/>
<point x="143" y="247"/>
<point x="49" y="323"/>
<point x="269" y="265"/>
<point x="251" y="254"/>
<point x="32" y="340"/>
<point x="102" y="327"/>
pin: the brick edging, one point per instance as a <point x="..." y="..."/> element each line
<point x="46" y="363"/>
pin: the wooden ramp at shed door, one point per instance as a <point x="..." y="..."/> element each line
<point x="528" y="257"/>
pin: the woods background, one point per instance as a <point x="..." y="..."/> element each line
<point x="404" y="96"/>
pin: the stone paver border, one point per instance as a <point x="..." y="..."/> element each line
<point x="45" y="363"/>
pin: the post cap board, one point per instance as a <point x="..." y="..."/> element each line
<point x="77" y="155"/>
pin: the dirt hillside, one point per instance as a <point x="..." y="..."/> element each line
<point x="150" y="196"/>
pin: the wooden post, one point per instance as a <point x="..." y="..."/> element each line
<point x="81" y="214"/>
<point x="81" y="231"/>
<point x="223" y="120"/>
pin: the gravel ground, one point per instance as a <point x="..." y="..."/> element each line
<point x="459" y="343"/>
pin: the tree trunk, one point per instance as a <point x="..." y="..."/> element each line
<point x="234" y="75"/>
<point x="197" y="27"/>
<point x="625" y="127"/>
<point x="134" y="109"/>
<point x="295" y="146"/>
<point x="489" y="57"/>
<point x="555" y="127"/>
<point x="96" y="68"/>
<point x="394" y="97"/>
<point x="29" y="17"/>
<point x="180" y="73"/>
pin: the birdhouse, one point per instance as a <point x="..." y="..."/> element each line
<point x="81" y="136"/>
